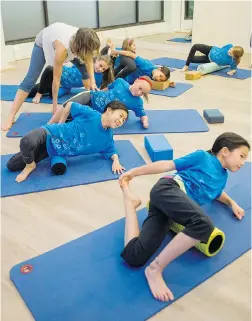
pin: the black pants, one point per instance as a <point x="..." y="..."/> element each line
<point x="32" y="149"/>
<point x="167" y="202"/>
<point x="198" y="59"/>
<point x="126" y="67"/>
<point x="45" y="85"/>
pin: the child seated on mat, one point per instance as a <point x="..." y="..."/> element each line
<point x="119" y="90"/>
<point x="228" y="55"/>
<point x="74" y="77"/>
<point x="200" y="178"/>
<point x="89" y="132"/>
<point x="133" y="66"/>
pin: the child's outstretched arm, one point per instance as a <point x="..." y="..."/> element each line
<point x="117" y="168"/>
<point x="144" y="120"/>
<point x="124" y="53"/>
<point x="227" y="200"/>
<point x="152" y="168"/>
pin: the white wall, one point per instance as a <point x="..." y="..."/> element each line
<point x="222" y="22"/>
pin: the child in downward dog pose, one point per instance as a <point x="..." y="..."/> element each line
<point x="89" y="132"/>
<point x="74" y="77"/>
<point x="201" y="178"/>
<point x="119" y="90"/>
<point x="227" y="55"/>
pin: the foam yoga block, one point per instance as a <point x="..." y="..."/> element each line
<point x="209" y="67"/>
<point x="160" y="85"/>
<point x="213" y="116"/>
<point x="213" y="245"/>
<point x="158" y="148"/>
<point x="192" y="75"/>
<point x="58" y="165"/>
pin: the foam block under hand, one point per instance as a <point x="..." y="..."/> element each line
<point x="158" y="147"/>
<point x="213" y="116"/>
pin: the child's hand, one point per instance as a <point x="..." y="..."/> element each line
<point x="117" y="167"/>
<point x="237" y="210"/>
<point x="230" y="73"/>
<point x="144" y="120"/>
<point x="172" y="84"/>
<point x="128" y="176"/>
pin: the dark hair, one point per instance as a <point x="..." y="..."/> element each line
<point x="166" y="71"/>
<point x="229" y="140"/>
<point x="84" y="43"/>
<point x="114" y="105"/>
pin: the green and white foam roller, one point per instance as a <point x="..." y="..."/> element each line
<point x="209" y="67"/>
<point x="213" y="245"/>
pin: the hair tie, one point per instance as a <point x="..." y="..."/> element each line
<point x="146" y="79"/>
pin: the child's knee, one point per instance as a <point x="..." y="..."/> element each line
<point x="134" y="254"/>
<point x="25" y="143"/>
<point x="200" y="228"/>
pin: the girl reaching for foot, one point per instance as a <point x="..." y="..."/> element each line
<point x="89" y="132"/>
<point x="200" y="178"/>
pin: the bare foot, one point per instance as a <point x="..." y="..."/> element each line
<point x="158" y="288"/>
<point x="8" y="123"/>
<point x="185" y="68"/>
<point x="26" y="172"/>
<point x="134" y="200"/>
<point x="36" y="99"/>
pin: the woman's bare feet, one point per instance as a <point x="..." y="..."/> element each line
<point x="128" y="196"/>
<point x="10" y="121"/>
<point x="158" y="288"/>
<point x="36" y="99"/>
<point x="185" y="68"/>
<point x="26" y="172"/>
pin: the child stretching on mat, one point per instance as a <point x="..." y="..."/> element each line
<point x="201" y="178"/>
<point x="74" y="77"/>
<point x="132" y="66"/>
<point x="119" y="90"/>
<point x="89" y="132"/>
<point x="227" y="55"/>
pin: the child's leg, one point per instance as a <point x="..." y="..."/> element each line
<point x="191" y="57"/>
<point x="170" y="200"/>
<point x="140" y="246"/>
<point x="33" y="150"/>
<point x="127" y="66"/>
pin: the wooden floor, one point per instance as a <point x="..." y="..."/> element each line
<point x="35" y="223"/>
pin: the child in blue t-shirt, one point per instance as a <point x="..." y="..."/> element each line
<point x="119" y="90"/>
<point x="75" y="76"/>
<point x="228" y="55"/>
<point x="90" y="132"/>
<point x="200" y="178"/>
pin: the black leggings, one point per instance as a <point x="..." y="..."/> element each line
<point x="45" y="85"/>
<point x="126" y="67"/>
<point x="32" y="149"/>
<point x="167" y="202"/>
<point x="198" y="59"/>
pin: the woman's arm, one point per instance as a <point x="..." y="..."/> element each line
<point x="123" y="53"/>
<point x="60" y="56"/>
<point x="227" y="200"/>
<point x="90" y="69"/>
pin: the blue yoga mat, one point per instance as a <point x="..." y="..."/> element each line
<point x="179" y="64"/>
<point x="179" y="89"/>
<point x="8" y="93"/>
<point x="183" y="40"/>
<point x="161" y="121"/>
<point x="81" y="170"/>
<point x="87" y="280"/>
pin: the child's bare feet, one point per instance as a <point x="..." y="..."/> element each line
<point x="185" y="68"/>
<point x="36" y="99"/>
<point x="26" y="172"/>
<point x="158" y="288"/>
<point x="128" y="196"/>
<point x="10" y="121"/>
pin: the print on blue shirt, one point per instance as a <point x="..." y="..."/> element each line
<point x="221" y="57"/>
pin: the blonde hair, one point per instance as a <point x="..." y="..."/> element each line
<point x="145" y="96"/>
<point x="85" y="43"/>
<point x="127" y="43"/>
<point x="237" y="53"/>
<point x="110" y="72"/>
